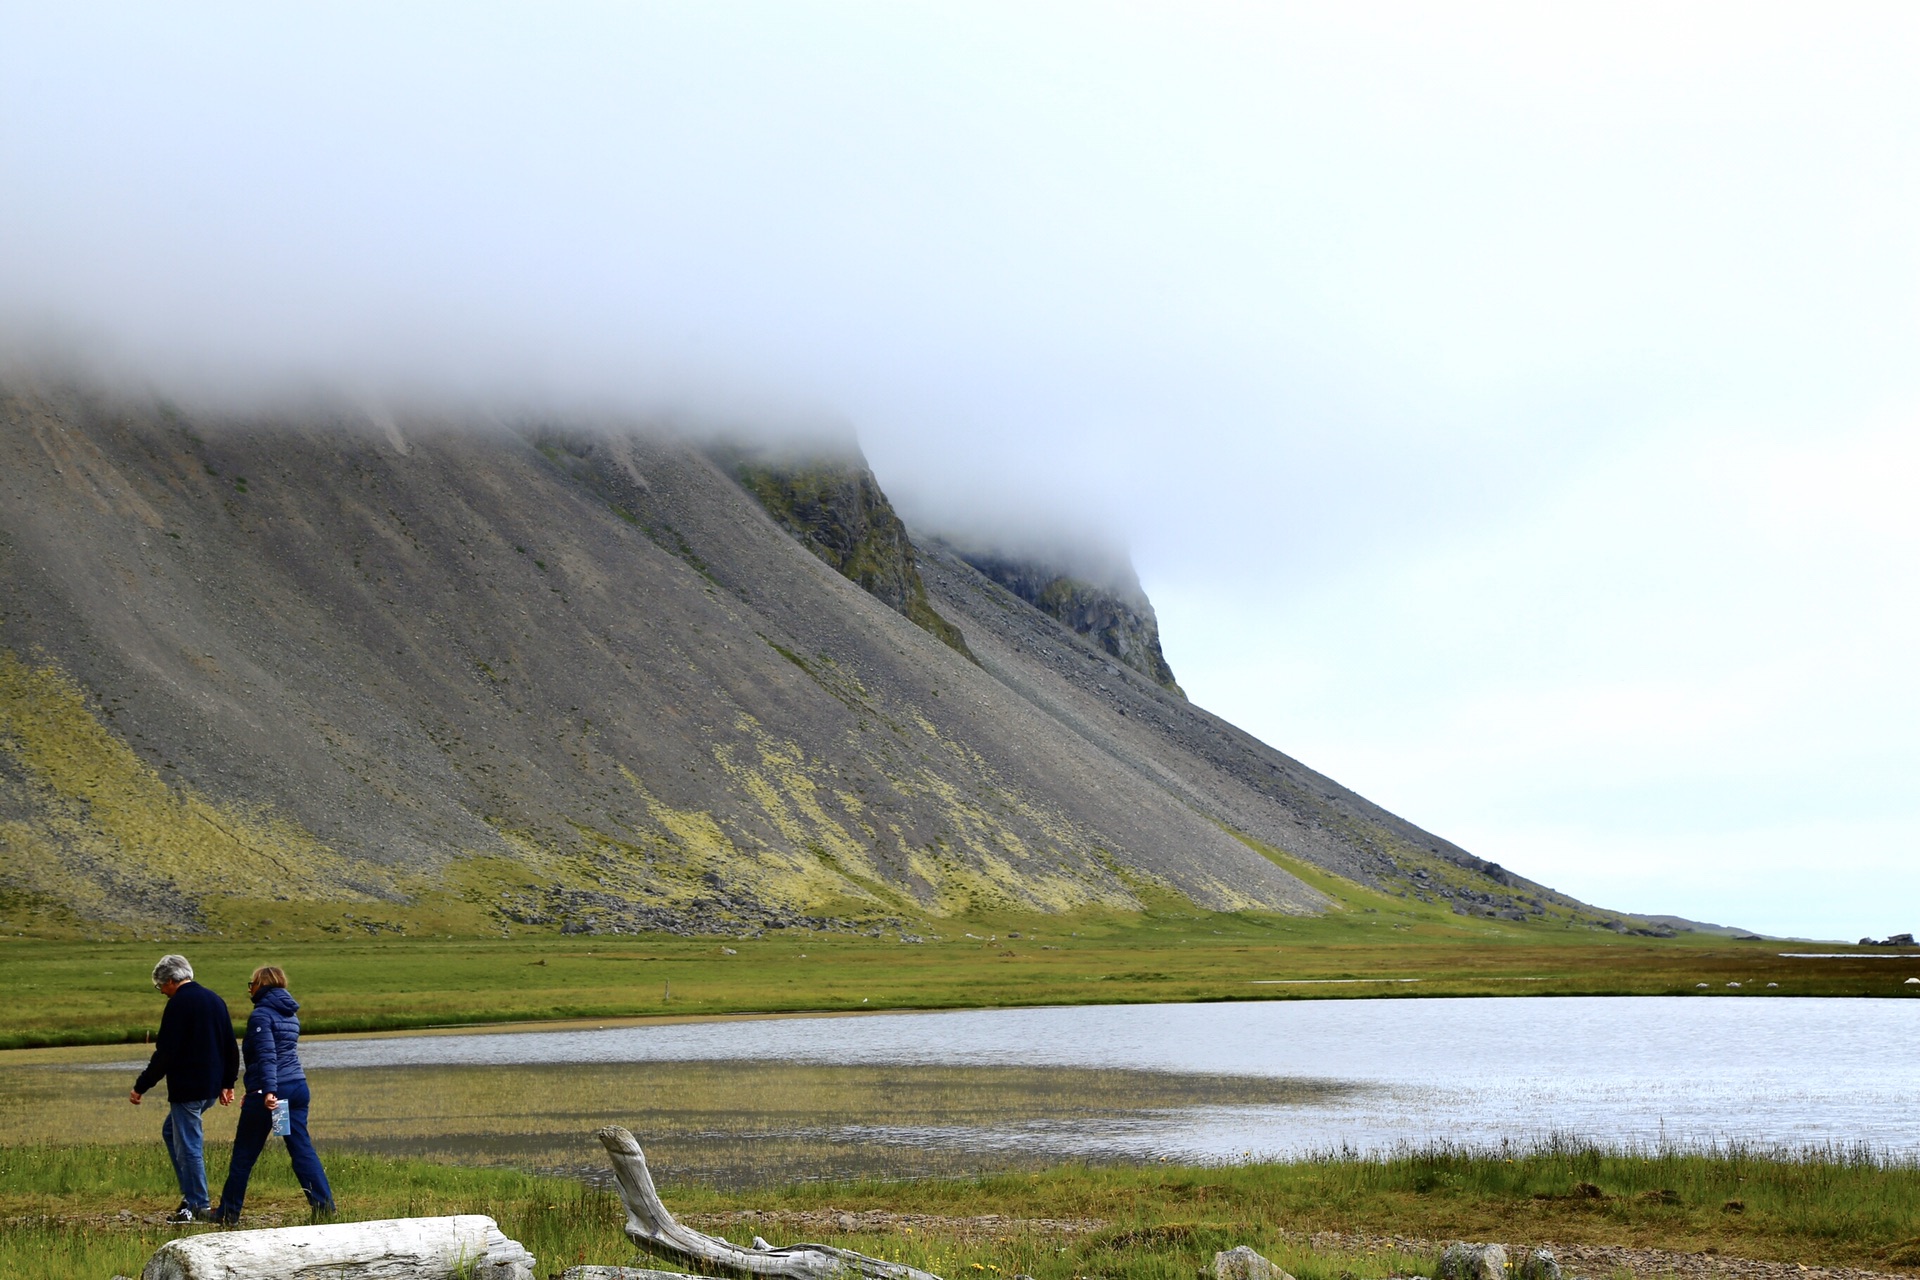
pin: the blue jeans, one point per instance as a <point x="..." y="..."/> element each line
<point x="181" y="1131"/>
<point x="250" y="1138"/>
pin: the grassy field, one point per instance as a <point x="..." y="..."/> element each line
<point x="61" y="1211"/>
<point x="93" y="1210"/>
<point x="73" y="992"/>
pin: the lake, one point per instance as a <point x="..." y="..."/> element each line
<point x="766" y="1099"/>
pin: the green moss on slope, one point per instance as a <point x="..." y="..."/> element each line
<point x="89" y="824"/>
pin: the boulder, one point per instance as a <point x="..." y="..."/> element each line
<point x="1242" y="1263"/>
<point x="1539" y="1264"/>
<point x="1463" y="1261"/>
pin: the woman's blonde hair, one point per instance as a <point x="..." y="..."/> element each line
<point x="268" y="975"/>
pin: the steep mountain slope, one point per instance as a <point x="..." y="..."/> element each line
<point x="318" y="674"/>
<point x="1168" y="743"/>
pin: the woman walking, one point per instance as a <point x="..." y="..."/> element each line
<point x="273" y="1079"/>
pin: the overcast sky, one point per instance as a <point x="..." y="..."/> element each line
<point x="1513" y="410"/>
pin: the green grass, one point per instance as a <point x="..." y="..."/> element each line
<point x="73" y="992"/>
<point x="58" y="1208"/>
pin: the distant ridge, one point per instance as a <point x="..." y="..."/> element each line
<point x="1680" y="924"/>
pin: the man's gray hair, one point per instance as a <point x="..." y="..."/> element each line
<point x="172" y="968"/>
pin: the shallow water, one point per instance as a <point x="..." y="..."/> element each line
<point x="913" y="1094"/>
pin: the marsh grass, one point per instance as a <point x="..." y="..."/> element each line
<point x="56" y="992"/>
<point x="1820" y="1206"/>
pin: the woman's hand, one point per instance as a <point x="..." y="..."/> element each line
<point x="272" y="1102"/>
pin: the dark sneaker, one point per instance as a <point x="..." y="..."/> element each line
<point x="182" y="1216"/>
<point x="224" y="1218"/>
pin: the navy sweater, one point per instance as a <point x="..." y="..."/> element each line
<point x="195" y="1049"/>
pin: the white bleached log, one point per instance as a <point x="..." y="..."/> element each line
<point x="465" y="1246"/>
<point x="651" y="1227"/>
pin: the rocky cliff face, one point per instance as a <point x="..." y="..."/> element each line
<point x="1119" y="619"/>
<point x="837" y="511"/>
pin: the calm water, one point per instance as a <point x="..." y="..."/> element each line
<point x="953" y="1092"/>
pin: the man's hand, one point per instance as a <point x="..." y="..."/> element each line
<point x="226" y="1097"/>
<point x="271" y="1101"/>
<point x="134" y="1097"/>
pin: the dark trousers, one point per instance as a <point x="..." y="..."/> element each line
<point x="256" y="1124"/>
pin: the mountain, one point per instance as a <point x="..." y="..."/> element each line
<point x="313" y="673"/>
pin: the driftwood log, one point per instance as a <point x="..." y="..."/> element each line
<point x="652" y="1228"/>
<point x="457" y="1248"/>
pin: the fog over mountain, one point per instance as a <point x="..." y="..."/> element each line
<point x="1510" y="411"/>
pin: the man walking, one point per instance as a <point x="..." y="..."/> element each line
<point x="196" y="1052"/>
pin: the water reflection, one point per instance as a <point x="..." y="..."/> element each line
<point x="725" y="1123"/>
<point x="742" y="1101"/>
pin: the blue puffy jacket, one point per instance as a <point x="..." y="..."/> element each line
<point x="273" y="1032"/>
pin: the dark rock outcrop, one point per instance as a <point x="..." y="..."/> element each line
<point x="837" y="511"/>
<point x="1118" y="619"/>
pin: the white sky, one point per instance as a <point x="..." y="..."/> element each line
<point x="1513" y="409"/>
